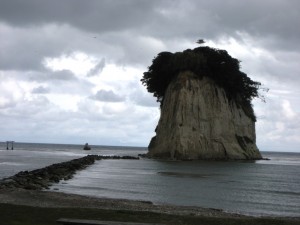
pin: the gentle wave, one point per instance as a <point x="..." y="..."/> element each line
<point x="266" y="187"/>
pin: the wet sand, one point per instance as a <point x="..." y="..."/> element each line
<point x="51" y="199"/>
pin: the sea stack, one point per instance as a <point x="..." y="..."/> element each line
<point x="206" y="110"/>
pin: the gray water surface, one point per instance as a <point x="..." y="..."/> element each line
<point x="253" y="188"/>
<point x="247" y="188"/>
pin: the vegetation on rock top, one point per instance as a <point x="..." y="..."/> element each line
<point x="203" y="61"/>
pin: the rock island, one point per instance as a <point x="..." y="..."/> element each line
<point x="206" y="110"/>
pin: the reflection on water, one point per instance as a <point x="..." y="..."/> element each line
<point x="266" y="187"/>
<point x="249" y="188"/>
<point x="185" y="175"/>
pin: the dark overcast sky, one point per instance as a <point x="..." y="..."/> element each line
<point x="70" y="70"/>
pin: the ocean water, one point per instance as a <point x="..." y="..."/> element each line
<point x="260" y="188"/>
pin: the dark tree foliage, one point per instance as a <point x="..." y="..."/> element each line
<point x="203" y="61"/>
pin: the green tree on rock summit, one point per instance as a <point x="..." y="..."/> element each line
<point x="214" y="63"/>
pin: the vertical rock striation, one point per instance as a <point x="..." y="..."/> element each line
<point x="198" y="121"/>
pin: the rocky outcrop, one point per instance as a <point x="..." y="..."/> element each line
<point x="42" y="178"/>
<point x="198" y="121"/>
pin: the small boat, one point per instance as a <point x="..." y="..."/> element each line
<point x="87" y="147"/>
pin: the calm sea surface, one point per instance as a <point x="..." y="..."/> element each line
<point x="254" y="188"/>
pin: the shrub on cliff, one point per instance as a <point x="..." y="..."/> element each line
<point x="203" y="61"/>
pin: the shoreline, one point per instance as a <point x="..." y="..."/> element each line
<point x="49" y="206"/>
<point x="31" y="189"/>
<point x="51" y="199"/>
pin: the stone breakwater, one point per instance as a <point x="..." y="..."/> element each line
<point x="43" y="178"/>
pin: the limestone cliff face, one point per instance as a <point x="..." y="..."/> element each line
<point x="198" y="121"/>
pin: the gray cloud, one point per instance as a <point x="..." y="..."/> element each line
<point x="97" y="68"/>
<point x="129" y="33"/>
<point x="267" y="17"/>
<point x="145" y="100"/>
<point x="40" y="90"/>
<point x="93" y="16"/>
<point x="47" y="75"/>
<point x="107" y="96"/>
<point x="139" y="95"/>
<point x="123" y="30"/>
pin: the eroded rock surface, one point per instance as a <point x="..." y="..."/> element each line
<point x="198" y="121"/>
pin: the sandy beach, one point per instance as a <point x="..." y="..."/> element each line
<point x="50" y="199"/>
<point x="47" y="206"/>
